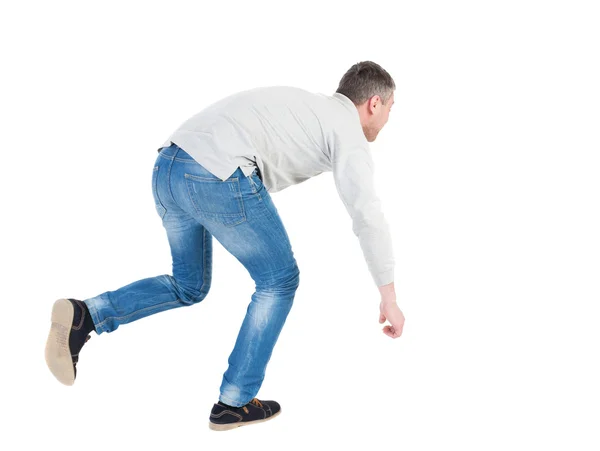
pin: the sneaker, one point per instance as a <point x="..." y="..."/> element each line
<point x="68" y="333"/>
<point x="224" y="417"/>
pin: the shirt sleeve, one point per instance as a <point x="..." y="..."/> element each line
<point x="353" y="171"/>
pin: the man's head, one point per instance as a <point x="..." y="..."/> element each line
<point x="371" y="89"/>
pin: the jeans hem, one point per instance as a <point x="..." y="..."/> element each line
<point x="230" y="402"/>
<point x="95" y="317"/>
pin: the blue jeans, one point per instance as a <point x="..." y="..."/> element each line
<point x="195" y="205"/>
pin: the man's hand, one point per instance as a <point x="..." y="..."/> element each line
<point x="389" y="310"/>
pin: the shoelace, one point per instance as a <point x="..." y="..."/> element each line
<point x="256" y="402"/>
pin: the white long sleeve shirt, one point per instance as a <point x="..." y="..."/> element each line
<point x="292" y="135"/>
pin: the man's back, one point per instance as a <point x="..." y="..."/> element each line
<point x="287" y="132"/>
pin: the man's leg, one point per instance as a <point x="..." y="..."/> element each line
<point x="267" y="254"/>
<point x="265" y="317"/>
<point x="240" y="214"/>
<point x="191" y="250"/>
<point x="247" y="224"/>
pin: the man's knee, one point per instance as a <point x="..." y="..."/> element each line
<point x="198" y="296"/>
<point x="285" y="279"/>
<point x="288" y="279"/>
<point x="295" y="277"/>
<point x="191" y="296"/>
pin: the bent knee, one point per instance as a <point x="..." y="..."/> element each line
<point x="191" y="296"/>
<point x="295" y="280"/>
<point x="287" y="279"/>
<point x="198" y="296"/>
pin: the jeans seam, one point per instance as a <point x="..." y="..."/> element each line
<point x="281" y="231"/>
<point x="240" y="201"/>
<point x="169" y="174"/>
<point x="204" y="251"/>
<point x="136" y="312"/>
<point x="155" y="189"/>
<point x="182" y="160"/>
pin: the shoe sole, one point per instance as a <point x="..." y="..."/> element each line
<point x="58" y="354"/>
<point x="227" y="427"/>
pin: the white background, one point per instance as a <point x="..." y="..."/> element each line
<point x="488" y="175"/>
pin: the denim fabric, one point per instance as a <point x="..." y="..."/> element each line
<point x="195" y="205"/>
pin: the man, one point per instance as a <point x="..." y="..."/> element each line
<point x="213" y="177"/>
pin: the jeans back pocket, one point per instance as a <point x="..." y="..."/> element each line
<point x="217" y="200"/>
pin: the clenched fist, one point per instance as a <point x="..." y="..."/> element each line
<point x="390" y="311"/>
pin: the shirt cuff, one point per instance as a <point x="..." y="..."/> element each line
<point x="384" y="278"/>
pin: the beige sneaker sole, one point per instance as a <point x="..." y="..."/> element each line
<point x="227" y="427"/>
<point x="58" y="355"/>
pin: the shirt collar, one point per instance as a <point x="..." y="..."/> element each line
<point x="343" y="99"/>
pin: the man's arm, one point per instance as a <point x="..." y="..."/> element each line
<point x="353" y="175"/>
<point x="353" y="172"/>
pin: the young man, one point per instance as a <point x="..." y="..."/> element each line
<point x="213" y="177"/>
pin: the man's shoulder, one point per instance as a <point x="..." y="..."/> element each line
<point x="284" y="92"/>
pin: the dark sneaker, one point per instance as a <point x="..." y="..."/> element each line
<point x="71" y="324"/>
<point x="223" y="417"/>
